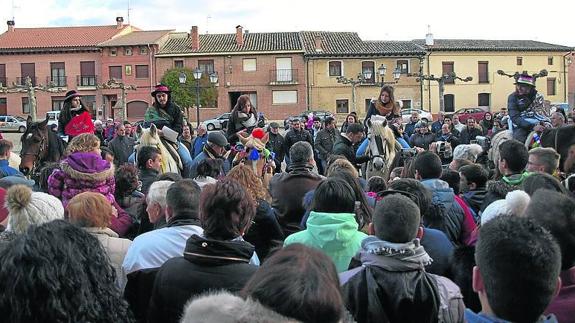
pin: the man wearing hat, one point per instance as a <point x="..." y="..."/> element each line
<point x="165" y="113"/>
<point x="74" y="117"/>
<point x="216" y="147"/>
<point x="524" y="98"/>
<point x="276" y="145"/>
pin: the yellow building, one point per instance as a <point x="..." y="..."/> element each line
<point x="332" y="55"/>
<point x="480" y="60"/>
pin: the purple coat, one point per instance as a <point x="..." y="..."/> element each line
<point x="82" y="172"/>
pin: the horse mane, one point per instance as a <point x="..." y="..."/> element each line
<point x="56" y="146"/>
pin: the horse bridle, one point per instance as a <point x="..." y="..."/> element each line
<point x="43" y="147"/>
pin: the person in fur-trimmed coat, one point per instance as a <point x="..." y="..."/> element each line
<point x="84" y="170"/>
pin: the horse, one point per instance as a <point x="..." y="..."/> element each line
<point x="171" y="161"/>
<point x="382" y="147"/>
<point x="559" y="139"/>
<point x="496" y="141"/>
<point x="40" y="146"/>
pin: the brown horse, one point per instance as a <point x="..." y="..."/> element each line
<point x="559" y="139"/>
<point x="40" y="146"/>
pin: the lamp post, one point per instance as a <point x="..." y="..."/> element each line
<point x="364" y="79"/>
<point x="441" y="82"/>
<point x="197" y="73"/>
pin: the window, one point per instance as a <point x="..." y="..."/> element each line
<point x="3" y="106"/>
<point x="143" y="50"/>
<point x="284" y="97"/>
<point x="128" y="51"/>
<point x="206" y="66"/>
<point x="449" y="103"/>
<point x="550" y="60"/>
<point x="142" y="71"/>
<point x="57" y="102"/>
<point x="283" y="70"/>
<point x="342" y="106"/>
<point x="403" y="65"/>
<point x="484" y="99"/>
<point x="519" y="60"/>
<point x="551" y="86"/>
<point x="58" y="74"/>
<point x="115" y="72"/>
<point x="27" y="70"/>
<point x="113" y="51"/>
<point x="88" y="74"/>
<point x="447" y="68"/>
<point x="406" y="104"/>
<point x="250" y="64"/>
<point x="179" y="64"/>
<point x="335" y="68"/>
<point x="25" y="105"/>
<point x="483" y="71"/>
<point x="3" y="74"/>
<point x="368" y="67"/>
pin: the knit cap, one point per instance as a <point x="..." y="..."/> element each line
<point x="514" y="204"/>
<point x="26" y="208"/>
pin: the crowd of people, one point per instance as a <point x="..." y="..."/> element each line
<point x="303" y="238"/>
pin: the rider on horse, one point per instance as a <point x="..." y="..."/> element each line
<point x="165" y="113"/>
<point x="74" y="118"/>
<point x="524" y="106"/>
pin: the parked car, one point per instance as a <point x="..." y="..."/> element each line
<point x="219" y="122"/>
<point x="322" y="114"/>
<point x="52" y="117"/>
<point x="12" y="123"/>
<point x="423" y="115"/>
<point x="466" y="113"/>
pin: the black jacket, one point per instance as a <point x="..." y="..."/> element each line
<point x="206" y="265"/>
<point x="324" y="142"/>
<point x="265" y="232"/>
<point x="276" y="144"/>
<point x="177" y="123"/>
<point x="422" y="141"/>
<point x="467" y="135"/>
<point x="287" y="191"/>
<point x="147" y="176"/>
<point x="122" y="147"/>
<point x="292" y="136"/>
<point x="344" y="147"/>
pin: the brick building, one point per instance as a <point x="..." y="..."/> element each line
<point x="63" y="58"/>
<point x="269" y="67"/>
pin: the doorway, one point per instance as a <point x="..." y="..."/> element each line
<point x="234" y="96"/>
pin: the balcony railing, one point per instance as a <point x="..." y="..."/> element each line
<point x="3" y="81"/>
<point x="87" y="80"/>
<point x="22" y="80"/>
<point x="57" y="81"/>
<point x="283" y="76"/>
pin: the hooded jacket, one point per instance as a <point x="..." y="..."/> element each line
<point x="446" y="214"/>
<point x="336" y="234"/>
<point x="82" y="172"/>
<point x="206" y="265"/>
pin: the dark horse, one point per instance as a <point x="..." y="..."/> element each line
<point x="559" y="139"/>
<point x="40" y="146"/>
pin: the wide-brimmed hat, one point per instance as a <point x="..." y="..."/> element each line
<point x="71" y="94"/>
<point x="525" y="79"/>
<point x="161" y="88"/>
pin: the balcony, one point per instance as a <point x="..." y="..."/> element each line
<point x="22" y="80"/>
<point x="86" y="82"/>
<point x="283" y="77"/>
<point x="57" y="81"/>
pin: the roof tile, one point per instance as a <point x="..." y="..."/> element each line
<point x="143" y="37"/>
<point x="491" y="45"/>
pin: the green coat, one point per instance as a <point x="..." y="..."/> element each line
<point x="336" y="234"/>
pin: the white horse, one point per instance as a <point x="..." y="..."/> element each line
<point x="171" y="161"/>
<point x="382" y="147"/>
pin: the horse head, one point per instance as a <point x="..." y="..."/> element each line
<point x="149" y="136"/>
<point x="35" y="142"/>
<point x="252" y="150"/>
<point x="382" y="146"/>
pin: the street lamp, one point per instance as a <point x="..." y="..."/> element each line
<point x="441" y="82"/>
<point x="197" y="73"/>
<point x="365" y="79"/>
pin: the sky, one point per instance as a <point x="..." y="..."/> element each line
<point x="546" y="21"/>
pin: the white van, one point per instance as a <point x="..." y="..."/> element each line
<point x="52" y="117"/>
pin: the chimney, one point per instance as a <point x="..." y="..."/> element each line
<point x="239" y="36"/>
<point x="317" y="39"/>
<point x="10" y="24"/>
<point x="429" y="37"/>
<point x="195" y="38"/>
<point x="119" y="22"/>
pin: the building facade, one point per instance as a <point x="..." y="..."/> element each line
<point x="480" y="60"/>
<point x="269" y="67"/>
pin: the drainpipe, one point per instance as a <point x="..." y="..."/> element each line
<point x="565" y="89"/>
<point x="308" y="94"/>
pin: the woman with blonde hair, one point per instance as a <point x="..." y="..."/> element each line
<point x="265" y="232"/>
<point x="92" y="212"/>
<point x="84" y="170"/>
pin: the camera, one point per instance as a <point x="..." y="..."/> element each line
<point x="443" y="149"/>
<point x="484" y="142"/>
<point x="408" y="152"/>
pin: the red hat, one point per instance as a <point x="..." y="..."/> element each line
<point x="161" y="88"/>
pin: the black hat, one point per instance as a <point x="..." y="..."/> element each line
<point x="71" y="94"/>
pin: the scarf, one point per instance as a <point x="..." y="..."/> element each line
<point x="245" y="120"/>
<point x="387" y="109"/>
<point x="411" y="253"/>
